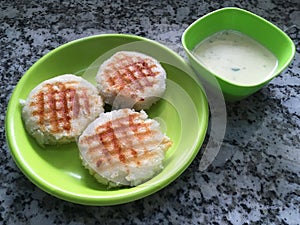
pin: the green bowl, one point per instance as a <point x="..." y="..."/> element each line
<point x="182" y="112"/>
<point x="249" y="24"/>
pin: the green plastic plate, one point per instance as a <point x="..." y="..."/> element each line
<point x="182" y="112"/>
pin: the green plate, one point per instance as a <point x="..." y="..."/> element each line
<point x="182" y="112"/>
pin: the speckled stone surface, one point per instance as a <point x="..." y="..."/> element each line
<point x="255" y="179"/>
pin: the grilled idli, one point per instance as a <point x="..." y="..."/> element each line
<point x="123" y="148"/>
<point x="131" y="80"/>
<point x="59" y="109"/>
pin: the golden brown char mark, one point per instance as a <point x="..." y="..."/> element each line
<point x="51" y="105"/>
<point x="133" y="73"/>
<point x="140" y="130"/>
<point x="110" y="145"/>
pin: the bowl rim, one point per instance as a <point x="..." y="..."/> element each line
<point x="259" y="18"/>
<point x="120" y="196"/>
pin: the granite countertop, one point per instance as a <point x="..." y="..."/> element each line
<point x="255" y="179"/>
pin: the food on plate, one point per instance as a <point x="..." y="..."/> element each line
<point x="131" y="80"/>
<point x="59" y="109"/>
<point x="123" y="148"/>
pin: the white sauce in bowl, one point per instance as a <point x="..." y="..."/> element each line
<point x="236" y="57"/>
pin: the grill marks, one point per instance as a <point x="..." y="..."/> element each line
<point x="130" y="72"/>
<point x="74" y="99"/>
<point x="56" y="104"/>
<point x="114" y="141"/>
<point x="110" y="142"/>
<point x="140" y="130"/>
<point x="39" y="111"/>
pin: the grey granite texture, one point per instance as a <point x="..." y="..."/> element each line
<point x="255" y="179"/>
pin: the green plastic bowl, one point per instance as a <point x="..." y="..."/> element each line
<point x="249" y="24"/>
<point x="183" y="113"/>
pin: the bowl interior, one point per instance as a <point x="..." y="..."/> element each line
<point x="183" y="113"/>
<point x="245" y="22"/>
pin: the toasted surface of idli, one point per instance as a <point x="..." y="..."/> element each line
<point x="59" y="109"/>
<point x="123" y="147"/>
<point x="131" y="80"/>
